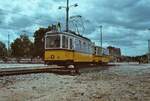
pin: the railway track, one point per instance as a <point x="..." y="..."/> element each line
<point x="56" y="70"/>
<point x="61" y="71"/>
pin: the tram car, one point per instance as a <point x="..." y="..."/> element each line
<point x="69" y="48"/>
<point x="101" y="55"/>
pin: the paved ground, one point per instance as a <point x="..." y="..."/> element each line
<point x="124" y="82"/>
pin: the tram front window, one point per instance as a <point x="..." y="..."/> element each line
<point x="53" y="41"/>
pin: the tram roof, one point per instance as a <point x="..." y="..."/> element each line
<point x="68" y="33"/>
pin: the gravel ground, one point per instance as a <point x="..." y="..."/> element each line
<point x="20" y="65"/>
<point x="125" y="82"/>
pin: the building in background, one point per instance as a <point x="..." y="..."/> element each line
<point x="115" y="52"/>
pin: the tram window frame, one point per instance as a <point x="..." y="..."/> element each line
<point x="85" y="49"/>
<point x="89" y="48"/>
<point x="71" y="43"/>
<point x="50" y="46"/>
<point x="80" y="43"/>
<point x="77" y="44"/>
<point x="95" y="50"/>
<point x="65" y="42"/>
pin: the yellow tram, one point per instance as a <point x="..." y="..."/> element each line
<point x="69" y="48"/>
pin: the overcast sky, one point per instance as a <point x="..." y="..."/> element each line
<point x="125" y="22"/>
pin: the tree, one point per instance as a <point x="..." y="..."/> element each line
<point x="22" y="47"/>
<point x="3" y="50"/>
<point x="39" y="41"/>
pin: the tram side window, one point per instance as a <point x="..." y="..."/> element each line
<point x="95" y="50"/>
<point x="76" y="44"/>
<point x="71" y="43"/>
<point x="87" y="50"/>
<point x="47" y="42"/>
<point x="53" y="41"/>
<point x="80" y="45"/>
<point x="90" y="48"/>
<point x="85" y="47"/>
<point x="100" y="51"/>
<point x="65" y="42"/>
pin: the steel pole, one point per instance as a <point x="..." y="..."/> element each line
<point x="101" y="41"/>
<point x="67" y="16"/>
<point x="8" y="48"/>
<point x="148" y="51"/>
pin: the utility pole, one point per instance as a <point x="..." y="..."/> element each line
<point x="67" y="7"/>
<point x="101" y="38"/>
<point x="148" y="55"/>
<point x="8" y="45"/>
<point x="67" y="16"/>
<point x="101" y="35"/>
